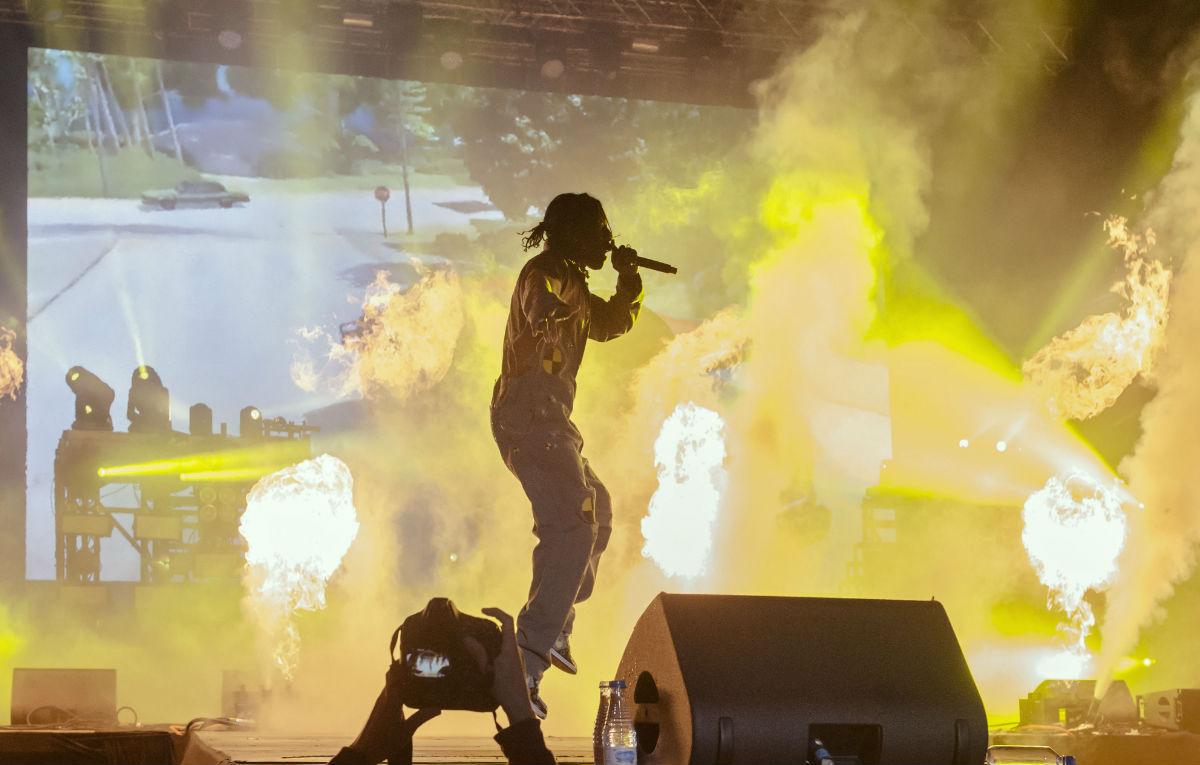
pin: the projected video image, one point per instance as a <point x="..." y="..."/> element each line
<point x="229" y="227"/>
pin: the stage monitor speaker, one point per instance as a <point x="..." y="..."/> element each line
<point x="1176" y="709"/>
<point x="64" y="696"/>
<point x="748" y="679"/>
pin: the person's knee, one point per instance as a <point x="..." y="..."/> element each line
<point x="603" y="502"/>
<point x="583" y="536"/>
<point x="567" y="513"/>
<point x="600" y="540"/>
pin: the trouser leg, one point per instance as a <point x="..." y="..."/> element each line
<point x="599" y="545"/>
<point x="559" y="563"/>
<point x="554" y="477"/>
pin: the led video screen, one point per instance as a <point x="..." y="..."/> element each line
<point x="225" y="226"/>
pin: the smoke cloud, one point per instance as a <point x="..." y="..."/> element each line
<point x="1163" y="535"/>
<point x="826" y="195"/>
<point x="802" y="224"/>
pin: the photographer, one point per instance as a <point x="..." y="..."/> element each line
<point x="388" y="735"/>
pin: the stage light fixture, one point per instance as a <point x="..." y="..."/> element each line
<point x="604" y="49"/>
<point x="200" y="420"/>
<point x="250" y="423"/>
<point x="552" y="68"/>
<point x="403" y="26"/>
<point x="229" y="39"/>
<point x="551" y="62"/>
<point x="358" y="20"/>
<point x="149" y="408"/>
<point x="231" y="19"/>
<point x="46" y="11"/>
<point x="167" y="18"/>
<point x="705" y="45"/>
<point x="644" y="45"/>
<point x="296" y="22"/>
<point x="93" y="400"/>
<point x="452" y="39"/>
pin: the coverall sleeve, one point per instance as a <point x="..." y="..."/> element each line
<point x="615" y="316"/>
<point x="539" y="296"/>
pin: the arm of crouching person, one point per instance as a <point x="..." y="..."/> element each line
<point x="387" y="735"/>
<point x="522" y="741"/>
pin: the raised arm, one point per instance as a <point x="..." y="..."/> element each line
<point x="615" y="316"/>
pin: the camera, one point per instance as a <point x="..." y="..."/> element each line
<point x="435" y="669"/>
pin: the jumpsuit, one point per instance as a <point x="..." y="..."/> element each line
<point x="531" y="422"/>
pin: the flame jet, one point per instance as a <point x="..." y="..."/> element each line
<point x="403" y="344"/>
<point x="1075" y="528"/>
<point x="1083" y="371"/>
<point x="298" y="525"/>
<point x="12" y="371"/>
<point x="678" y="527"/>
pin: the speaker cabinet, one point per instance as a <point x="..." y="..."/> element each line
<point x="1176" y="709"/>
<point x="61" y="696"/>
<point x="748" y="679"/>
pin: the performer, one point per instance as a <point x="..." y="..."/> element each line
<point x="552" y="316"/>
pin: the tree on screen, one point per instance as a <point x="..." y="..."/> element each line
<point x="523" y="147"/>
<point x="51" y="108"/>
<point x="403" y="107"/>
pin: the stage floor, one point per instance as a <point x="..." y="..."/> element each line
<point x="219" y="747"/>
<point x="244" y="746"/>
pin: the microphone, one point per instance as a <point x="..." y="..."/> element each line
<point x="647" y="263"/>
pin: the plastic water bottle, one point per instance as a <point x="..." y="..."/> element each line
<point x="601" y="715"/>
<point x="620" y="740"/>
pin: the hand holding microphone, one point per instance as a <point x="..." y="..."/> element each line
<point x="625" y="259"/>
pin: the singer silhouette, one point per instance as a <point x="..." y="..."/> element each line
<point x="552" y="316"/>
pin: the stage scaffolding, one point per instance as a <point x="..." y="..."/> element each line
<point x="155" y="493"/>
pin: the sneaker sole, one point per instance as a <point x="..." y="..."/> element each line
<point x="539" y="712"/>
<point x="559" y="661"/>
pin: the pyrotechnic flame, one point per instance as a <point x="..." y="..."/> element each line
<point x="1082" y="372"/>
<point x="338" y="370"/>
<point x="404" y="343"/>
<point x="1074" y="530"/>
<point x="299" y="523"/>
<point x="12" y="371"/>
<point x="689" y="453"/>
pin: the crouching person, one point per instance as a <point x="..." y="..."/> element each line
<point x="388" y="734"/>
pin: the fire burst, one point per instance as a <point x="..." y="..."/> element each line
<point x="1082" y="372"/>
<point x="299" y="523"/>
<point x="403" y="344"/>
<point x="1074" y="530"/>
<point x="12" y="371"/>
<point x="689" y="452"/>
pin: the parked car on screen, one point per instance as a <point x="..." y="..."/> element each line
<point x="194" y="193"/>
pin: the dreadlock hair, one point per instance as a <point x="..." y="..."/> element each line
<point x="565" y="213"/>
